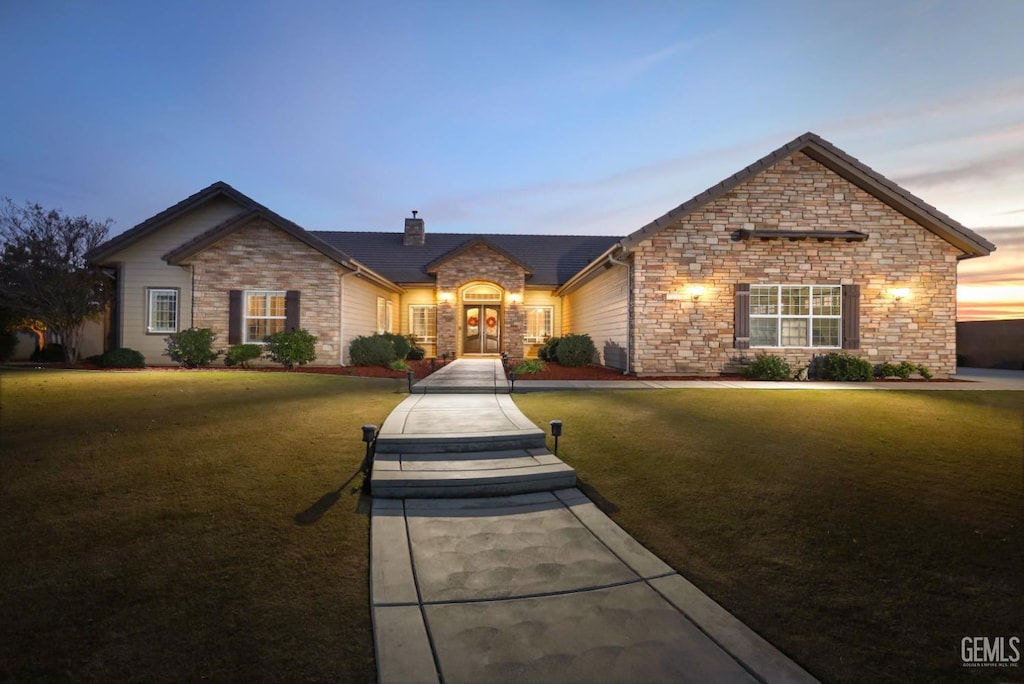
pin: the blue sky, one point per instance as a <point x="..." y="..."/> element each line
<point x="523" y="117"/>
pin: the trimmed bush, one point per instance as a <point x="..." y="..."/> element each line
<point x="549" y="352"/>
<point x="399" y="365"/>
<point x="125" y="357"/>
<point x="528" y="367"/>
<point x="843" y="367"/>
<point x="768" y="367"/>
<point x="885" y="370"/>
<point x="372" y="350"/>
<point x="904" y="370"/>
<point x="242" y="354"/>
<point x="291" y="347"/>
<point x="50" y="353"/>
<point x="923" y="371"/>
<point x="576" y="350"/>
<point x="192" y="348"/>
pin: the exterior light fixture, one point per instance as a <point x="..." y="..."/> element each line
<point x="445" y="297"/>
<point x="696" y="292"/>
<point x="556" y="432"/>
<point x="515" y="298"/>
<point x="512" y="386"/>
<point x="409" y="375"/>
<point x="674" y="296"/>
<point x="369" y="436"/>
<point x="900" y="293"/>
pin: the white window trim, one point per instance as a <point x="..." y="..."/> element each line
<point x="266" y="294"/>
<point x="385" y="315"/>
<point x="810" y="317"/>
<point x="431" y="312"/>
<point x="151" y="293"/>
<point x="535" y="339"/>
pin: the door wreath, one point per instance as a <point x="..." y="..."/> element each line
<point x="491" y="321"/>
<point x="472" y="321"/>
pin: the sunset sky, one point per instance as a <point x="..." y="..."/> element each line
<point x="526" y="117"/>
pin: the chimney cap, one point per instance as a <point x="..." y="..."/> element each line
<point x="414" y="212"/>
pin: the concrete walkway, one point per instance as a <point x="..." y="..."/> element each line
<point x="539" y="586"/>
<point x="483" y="375"/>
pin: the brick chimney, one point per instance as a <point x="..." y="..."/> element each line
<point x="414" y="231"/>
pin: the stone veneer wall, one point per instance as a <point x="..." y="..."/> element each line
<point x="480" y="264"/>
<point x="798" y="193"/>
<point x="259" y="256"/>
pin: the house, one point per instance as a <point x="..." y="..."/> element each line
<point x="805" y="251"/>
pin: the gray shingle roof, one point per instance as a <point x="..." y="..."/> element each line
<point x="553" y="259"/>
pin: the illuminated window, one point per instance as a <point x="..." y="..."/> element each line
<point x="264" y="314"/>
<point x="539" y="323"/>
<point x="423" y="322"/>
<point x="162" y="310"/>
<point x="795" y="315"/>
<point x="385" y="315"/>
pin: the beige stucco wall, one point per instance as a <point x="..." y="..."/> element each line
<point x="543" y="297"/>
<point x="417" y="295"/>
<point x="687" y="337"/>
<point x="259" y="256"/>
<point x="141" y="266"/>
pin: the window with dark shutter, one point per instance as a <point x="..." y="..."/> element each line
<point x="851" y="316"/>
<point x="235" y="317"/>
<point x="291" y="310"/>
<point x="741" y="334"/>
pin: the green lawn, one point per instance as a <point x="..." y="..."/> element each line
<point x="174" y="526"/>
<point x="863" y="533"/>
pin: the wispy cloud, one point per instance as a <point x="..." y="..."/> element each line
<point x="997" y="165"/>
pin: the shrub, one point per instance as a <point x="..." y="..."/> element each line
<point x="528" y="367"/>
<point x="923" y="371"/>
<point x="575" y="350"/>
<point x="905" y="370"/>
<point x="399" y="364"/>
<point x="768" y="367"/>
<point x="401" y="343"/>
<point x="372" y="350"/>
<point x="192" y="348"/>
<point x="291" y="347"/>
<point x="549" y="352"/>
<point x="885" y="370"/>
<point x="50" y="353"/>
<point x="416" y="352"/>
<point x="843" y="367"/>
<point x="125" y="357"/>
<point x="242" y="354"/>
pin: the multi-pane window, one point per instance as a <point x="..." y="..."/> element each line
<point x="423" y="322"/>
<point x="385" y="315"/>
<point x="795" y="315"/>
<point x="264" y="314"/>
<point x="539" y="323"/>
<point x="162" y="306"/>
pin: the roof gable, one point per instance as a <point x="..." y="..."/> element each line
<point x="201" y="242"/>
<point x="434" y="265"/>
<point x="842" y="164"/>
<point x="102" y="253"/>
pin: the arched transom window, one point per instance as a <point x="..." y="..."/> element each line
<point x="481" y="293"/>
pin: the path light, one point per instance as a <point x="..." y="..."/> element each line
<point x="512" y="377"/>
<point x="556" y="432"/>
<point x="369" y="435"/>
<point x="409" y="375"/>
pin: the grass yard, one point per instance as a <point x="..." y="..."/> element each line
<point x="863" y="533"/>
<point x="179" y="526"/>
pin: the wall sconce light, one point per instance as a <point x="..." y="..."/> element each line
<point x="674" y="296"/>
<point x="900" y="293"/>
<point x="515" y="298"/>
<point x="445" y="297"/>
<point x="696" y="292"/>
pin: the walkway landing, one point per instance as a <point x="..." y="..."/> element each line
<point x="465" y="376"/>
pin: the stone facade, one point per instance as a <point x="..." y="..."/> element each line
<point x="480" y="264"/>
<point x="696" y="337"/>
<point x="259" y="256"/>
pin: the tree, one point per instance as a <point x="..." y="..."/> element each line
<point x="44" y="275"/>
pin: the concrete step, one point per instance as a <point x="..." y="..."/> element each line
<point x="468" y="474"/>
<point x="460" y="443"/>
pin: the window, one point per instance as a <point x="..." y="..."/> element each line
<point x="385" y="315"/>
<point x="539" y="324"/>
<point x="795" y="315"/>
<point x="264" y="314"/>
<point x="423" y="322"/>
<point x="162" y="310"/>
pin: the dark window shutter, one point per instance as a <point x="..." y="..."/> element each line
<point x="741" y="329"/>
<point x="291" y="310"/>
<point x="235" y="317"/>
<point x="851" y="316"/>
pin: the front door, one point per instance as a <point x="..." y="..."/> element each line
<point x="482" y="326"/>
